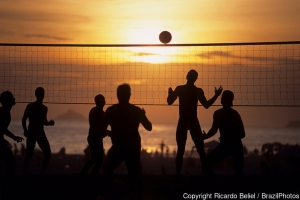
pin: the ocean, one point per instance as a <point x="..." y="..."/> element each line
<point x="72" y="136"/>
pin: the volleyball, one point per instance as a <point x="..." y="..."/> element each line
<point x="165" y="37"/>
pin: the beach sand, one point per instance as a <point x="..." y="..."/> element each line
<point x="72" y="186"/>
<point x="62" y="180"/>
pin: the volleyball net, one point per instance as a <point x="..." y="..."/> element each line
<point x="259" y="74"/>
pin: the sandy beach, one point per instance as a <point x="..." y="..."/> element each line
<point x="72" y="186"/>
<point x="62" y="180"/>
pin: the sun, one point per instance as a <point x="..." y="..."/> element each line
<point x="144" y="37"/>
<point x="148" y="35"/>
<point x="146" y="32"/>
<point x="153" y="55"/>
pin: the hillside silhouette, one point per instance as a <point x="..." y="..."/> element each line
<point x="71" y="115"/>
<point x="293" y="124"/>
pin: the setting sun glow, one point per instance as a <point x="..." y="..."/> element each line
<point x="152" y="55"/>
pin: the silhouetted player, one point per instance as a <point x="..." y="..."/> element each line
<point x="95" y="139"/>
<point x="231" y="128"/>
<point x="124" y="119"/>
<point x="189" y="95"/>
<point x="8" y="101"/>
<point x="36" y="112"/>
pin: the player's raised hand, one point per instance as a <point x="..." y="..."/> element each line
<point x="218" y="91"/>
<point x="51" y="122"/>
<point x="170" y="90"/>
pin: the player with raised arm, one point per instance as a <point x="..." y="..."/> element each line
<point x="36" y="112"/>
<point x="189" y="95"/>
<point x="231" y="128"/>
<point x="8" y="101"/>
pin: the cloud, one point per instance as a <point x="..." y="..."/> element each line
<point x="47" y="37"/>
<point x="144" y="54"/>
<point x="224" y="54"/>
<point x="35" y="16"/>
<point x="5" y="32"/>
<point x="212" y="54"/>
<point x="270" y="59"/>
<point x="132" y="82"/>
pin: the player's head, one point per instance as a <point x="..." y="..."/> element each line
<point x="227" y="98"/>
<point x="7" y="99"/>
<point x="192" y="75"/>
<point x="100" y="100"/>
<point x="40" y="93"/>
<point x="123" y="93"/>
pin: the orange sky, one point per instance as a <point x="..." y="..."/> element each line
<point x="132" y="21"/>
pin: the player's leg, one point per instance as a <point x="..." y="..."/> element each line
<point x="91" y="161"/>
<point x="132" y="160"/>
<point x="7" y="156"/>
<point x="181" y="136"/>
<point x="238" y="158"/>
<point x="97" y="157"/>
<point x="196" y="135"/>
<point x="114" y="157"/>
<point x="30" y="144"/>
<point x="214" y="157"/>
<point x="88" y="164"/>
<point x="45" y="147"/>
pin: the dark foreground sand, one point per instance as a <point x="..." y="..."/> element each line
<point x="62" y="180"/>
<point x="72" y="186"/>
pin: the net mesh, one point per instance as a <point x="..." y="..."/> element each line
<point x="259" y="74"/>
